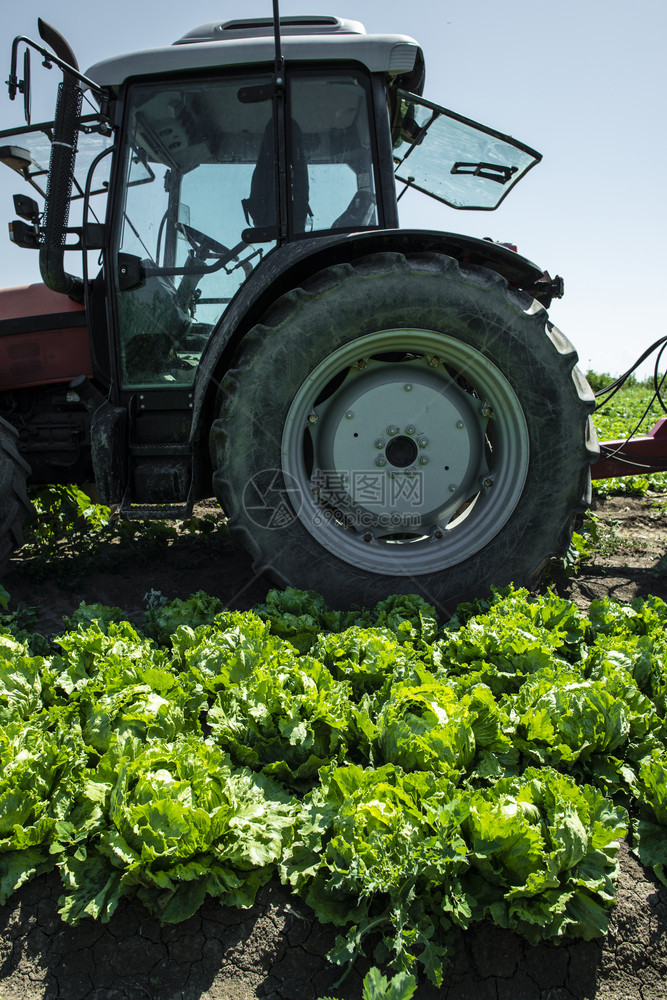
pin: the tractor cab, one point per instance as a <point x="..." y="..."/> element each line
<point x="217" y="167"/>
<point x="227" y="152"/>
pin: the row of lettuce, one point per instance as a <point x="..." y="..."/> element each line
<point x="402" y="775"/>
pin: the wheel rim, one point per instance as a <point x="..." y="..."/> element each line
<point x="406" y="463"/>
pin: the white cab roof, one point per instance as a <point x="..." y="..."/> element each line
<point x="245" y="43"/>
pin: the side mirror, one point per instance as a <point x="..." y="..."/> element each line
<point x="26" y="208"/>
<point x="24" y="86"/>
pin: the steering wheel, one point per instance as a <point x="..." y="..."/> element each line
<point x="203" y="246"/>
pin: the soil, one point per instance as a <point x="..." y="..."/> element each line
<point x="276" y="950"/>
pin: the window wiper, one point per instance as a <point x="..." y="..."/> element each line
<point x="489" y="171"/>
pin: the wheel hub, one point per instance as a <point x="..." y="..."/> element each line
<point x="401" y="452"/>
<point x="415" y="476"/>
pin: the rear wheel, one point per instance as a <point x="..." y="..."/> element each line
<point x="403" y="425"/>
<point x="14" y="503"/>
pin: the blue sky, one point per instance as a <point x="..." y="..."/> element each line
<point x="582" y="81"/>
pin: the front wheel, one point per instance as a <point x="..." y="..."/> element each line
<point x="403" y="425"/>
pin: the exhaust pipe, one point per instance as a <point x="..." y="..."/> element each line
<point x="59" y="191"/>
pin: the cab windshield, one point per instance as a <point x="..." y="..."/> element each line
<point x="199" y="201"/>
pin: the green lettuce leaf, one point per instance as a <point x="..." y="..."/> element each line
<point x="650" y="826"/>
<point x="299" y="616"/>
<point x="287" y="718"/>
<point x="543" y="854"/>
<point x="409" y="617"/>
<point x="42" y="771"/>
<point x="369" y="658"/>
<point x="221" y="654"/>
<point x="179" y="823"/>
<point x="427" y="727"/>
<point x="379" y="850"/>
<point x="20" y="681"/>
<point x="198" y="609"/>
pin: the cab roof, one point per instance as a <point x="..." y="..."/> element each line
<point x="308" y="38"/>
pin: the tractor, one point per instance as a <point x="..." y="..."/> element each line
<point x="377" y="410"/>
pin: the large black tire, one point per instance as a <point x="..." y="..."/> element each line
<point x="404" y="425"/>
<point x="14" y="503"/>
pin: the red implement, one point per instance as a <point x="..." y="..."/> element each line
<point x="43" y="337"/>
<point x="635" y="456"/>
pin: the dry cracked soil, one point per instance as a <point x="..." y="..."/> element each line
<point x="276" y="950"/>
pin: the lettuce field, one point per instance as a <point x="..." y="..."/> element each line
<point x="210" y="788"/>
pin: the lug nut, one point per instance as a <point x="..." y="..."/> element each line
<point x="407" y="387"/>
<point x="487" y="482"/>
<point x="434" y="362"/>
<point x="380" y="461"/>
<point x="379" y="443"/>
<point x="410" y="429"/>
<point x="438" y="533"/>
<point x="313" y="418"/>
<point x="392" y="430"/>
<point x="486" y="411"/>
<point x="349" y="415"/>
<point x="460" y="424"/>
<point x="423" y="460"/>
<point x="422" y="442"/>
<point x="368" y="537"/>
<point x="453" y="488"/>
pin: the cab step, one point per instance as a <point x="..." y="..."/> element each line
<point x="161" y="512"/>
<point x="157" y="512"/>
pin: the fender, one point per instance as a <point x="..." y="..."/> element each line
<point x="43" y="338"/>
<point x="286" y="267"/>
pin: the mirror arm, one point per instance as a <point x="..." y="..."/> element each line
<point x="15" y="85"/>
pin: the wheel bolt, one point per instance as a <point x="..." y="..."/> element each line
<point x="422" y="442"/>
<point x="423" y="460"/>
<point x="379" y="443"/>
<point x="410" y="429"/>
<point x="312" y="418"/>
<point x="380" y="460"/>
<point x="392" y="430"/>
